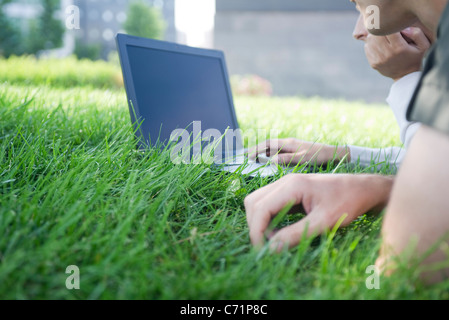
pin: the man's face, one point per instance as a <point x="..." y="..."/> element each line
<point x="395" y="15"/>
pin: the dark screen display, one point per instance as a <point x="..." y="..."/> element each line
<point x="175" y="89"/>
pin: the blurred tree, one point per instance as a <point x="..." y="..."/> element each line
<point x="144" y="21"/>
<point x="10" y="36"/>
<point x="46" y="32"/>
<point x="87" y="51"/>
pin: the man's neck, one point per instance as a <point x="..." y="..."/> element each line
<point x="429" y="12"/>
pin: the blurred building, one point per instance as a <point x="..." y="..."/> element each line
<point x="303" y="47"/>
<point x="101" y="20"/>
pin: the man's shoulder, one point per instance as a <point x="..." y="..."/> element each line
<point x="443" y="28"/>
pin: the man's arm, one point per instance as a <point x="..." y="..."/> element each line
<point x="419" y="208"/>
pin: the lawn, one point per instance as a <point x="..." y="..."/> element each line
<point x="74" y="191"/>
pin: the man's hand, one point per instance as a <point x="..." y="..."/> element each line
<point x="293" y="151"/>
<point x="324" y="198"/>
<point x="397" y="55"/>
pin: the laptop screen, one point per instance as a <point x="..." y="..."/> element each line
<point x="175" y="89"/>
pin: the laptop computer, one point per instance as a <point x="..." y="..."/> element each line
<point x="180" y="96"/>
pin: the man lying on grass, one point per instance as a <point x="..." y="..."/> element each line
<point x="398" y="57"/>
<point x="417" y="204"/>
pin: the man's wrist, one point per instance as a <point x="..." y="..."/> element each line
<point x="396" y="79"/>
<point x="341" y="154"/>
<point x="380" y="187"/>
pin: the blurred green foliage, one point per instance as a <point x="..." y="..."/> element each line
<point x="44" y="32"/>
<point x="144" y="21"/>
<point x="87" y="51"/>
<point x="10" y="36"/>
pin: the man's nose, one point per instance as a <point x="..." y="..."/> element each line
<point x="359" y="35"/>
<point x="360" y="32"/>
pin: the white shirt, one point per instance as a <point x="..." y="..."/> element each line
<point x="399" y="98"/>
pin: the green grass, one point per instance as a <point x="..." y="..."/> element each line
<point x="62" y="73"/>
<point x="74" y="191"/>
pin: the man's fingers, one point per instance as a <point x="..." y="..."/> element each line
<point x="285" y="159"/>
<point x="273" y="147"/>
<point x="417" y="36"/>
<point x="396" y="39"/>
<point x="268" y="203"/>
<point x="253" y="152"/>
<point x="376" y="41"/>
<point x="269" y="147"/>
<point x="292" y="235"/>
<point x="260" y="213"/>
<point x="251" y="201"/>
<point x="316" y="222"/>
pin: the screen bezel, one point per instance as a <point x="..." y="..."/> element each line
<point x="124" y="40"/>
